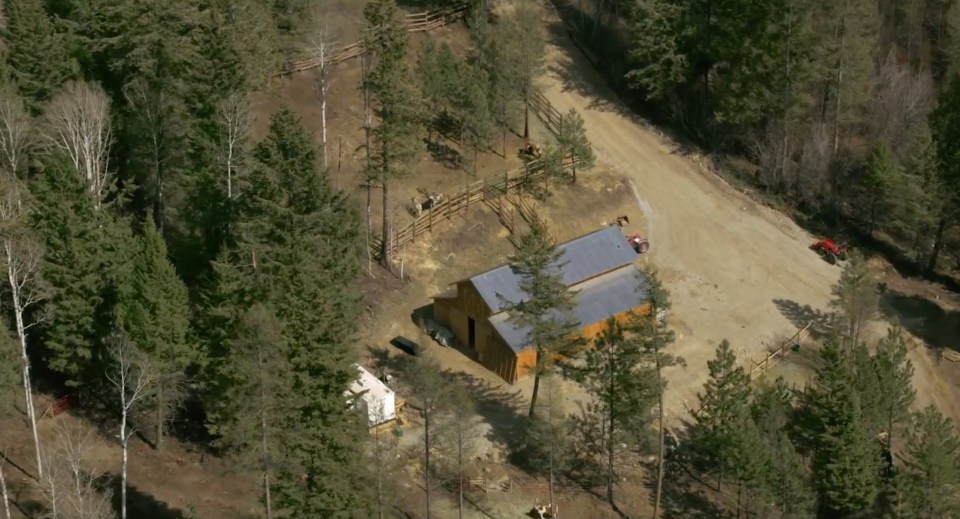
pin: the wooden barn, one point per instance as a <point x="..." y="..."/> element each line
<point x="599" y="265"/>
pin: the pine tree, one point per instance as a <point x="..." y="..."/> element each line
<point x="931" y="468"/>
<point x="547" y="310"/>
<point x="880" y="174"/>
<point x="153" y="312"/>
<point x="894" y="373"/>
<point x="788" y="482"/>
<point x="430" y="392"/>
<point x="945" y="128"/>
<point x="87" y="251"/>
<point x="624" y="389"/>
<point x="547" y="446"/>
<point x="476" y="118"/>
<point x="715" y="433"/>
<point x="397" y="105"/>
<point x="656" y="52"/>
<point x="305" y="240"/>
<point x="523" y="55"/>
<point x="573" y="142"/>
<point x="855" y="299"/>
<point x="38" y="57"/>
<point x="846" y="460"/>
<point x="654" y="335"/>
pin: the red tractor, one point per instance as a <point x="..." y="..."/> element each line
<point x="830" y="250"/>
<point x="639" y="243"/>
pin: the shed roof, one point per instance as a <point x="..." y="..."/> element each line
<point x="582" y="258"/>
<point x="598" y="299"/>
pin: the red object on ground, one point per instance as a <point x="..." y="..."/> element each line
<point x="61" y="405"/>
<point x="831" y="250"/>
<point x="639" y="243"/>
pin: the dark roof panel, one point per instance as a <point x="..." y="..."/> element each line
<point x="582" y="258"/>
<point x="599" y="298"/>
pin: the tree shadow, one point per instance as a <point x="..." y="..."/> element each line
<point x="923" y="318"/>
<point x="139" y="504"/>
<point x="444" y="154"/>
<point x="801" y="315"/>
<point x="601" y="81"/>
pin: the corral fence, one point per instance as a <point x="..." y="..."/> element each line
<point x="793" y="342"/>
<point x="414" y="22"/>
<point x="484" y="190"/>
<point x="547" y="113"/>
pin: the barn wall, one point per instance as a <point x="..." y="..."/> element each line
<point x="526" y="362"/>
<point x="470" y="302"/>
<point x="593" y="330"/>
<point x="448" y="315"/>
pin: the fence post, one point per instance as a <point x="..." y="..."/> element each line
<point x="430" y="218"/>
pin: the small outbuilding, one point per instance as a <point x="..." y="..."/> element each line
<point x="372" y="398"/>
<point x="600" y="266"/>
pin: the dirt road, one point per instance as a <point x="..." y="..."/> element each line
<point x="725" y="259"/>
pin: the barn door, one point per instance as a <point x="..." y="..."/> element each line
<point x="471" y="332"/>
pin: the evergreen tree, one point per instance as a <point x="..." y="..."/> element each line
<point x="547" y="446"/>
<point x="304" y="238"/>
<point x="846" y="460"/>
<point x="547" y="310"/>
<point x="430" y="392"/>
<point x="945" y="127"/>
<point x="894" y="372"/>
<point x="397" y="105"/>
<point x="715" y="435"/>
<point x="37" y="55"/>
<point x="788" y="482"/>
<point x="523" y="56"/>
<point x="931" y="468"/>
<point x="153" y="312"/>
<point x="87" y="252"/>
<point x="476" y="118"/>
<point x="573" y="142"/>
<point x="855" y="299"/>
<point x="880" y="174"/>
<point x="624" y="389"/>
<point x="656" y="52"/>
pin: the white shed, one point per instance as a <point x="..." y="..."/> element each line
<point x="377" y="401"/>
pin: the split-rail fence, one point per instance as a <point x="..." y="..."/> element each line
<point x="414" y="22"/>
<point x="483" y="190"/>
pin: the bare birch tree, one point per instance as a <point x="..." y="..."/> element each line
<point x="16" y="130"/>
<point x="23" y="257"/>
<point x="79" y="498"/>
<point x="156" y="116"/>
<point x="323" y="49"/>
<point x="78" y="123"/>
<point x="235" y="121"/>
<point x="133" y="378"/>
<point x="3" y="487"/>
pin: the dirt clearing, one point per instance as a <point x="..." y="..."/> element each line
<point x="724" y="258"/>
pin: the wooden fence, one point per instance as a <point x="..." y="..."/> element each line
<point x="414" y="22"/>
<point x="550" y="116"/>
<point x="761" y="367"/>
<point x="486" y="189"/>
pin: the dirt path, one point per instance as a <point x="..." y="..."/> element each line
<point x="724" y="258"/>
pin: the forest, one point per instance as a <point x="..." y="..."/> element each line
<point x="165" y="263"/>
<point x="844" y="110"/>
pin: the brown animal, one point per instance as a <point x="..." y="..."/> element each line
<point x="532" y="150"/>
<point x="431" y="201"/>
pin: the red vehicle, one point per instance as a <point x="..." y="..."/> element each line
<point x="830" y="250"/>
<point x="639" y="243"/>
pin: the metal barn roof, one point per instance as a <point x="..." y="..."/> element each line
<point x="598" y="299"/>
<point x="582" y="258"/>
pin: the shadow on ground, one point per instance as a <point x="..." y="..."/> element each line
<point x="141" y="505"/>
<point x="924" y="318"/>
<point x="801" y="315"/>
